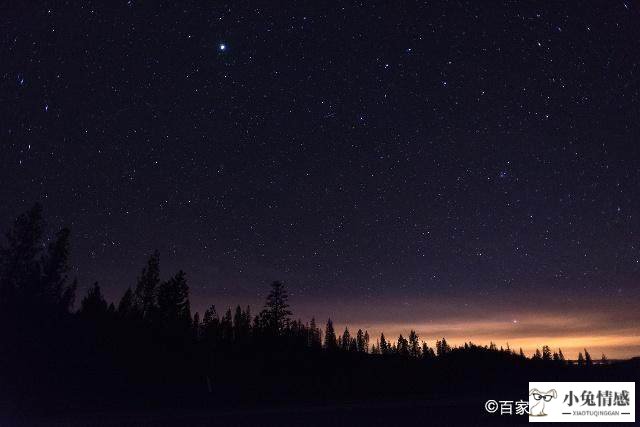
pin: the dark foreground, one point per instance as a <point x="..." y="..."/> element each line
<point x="459" y="402"/>
<point x="435" y="412"/>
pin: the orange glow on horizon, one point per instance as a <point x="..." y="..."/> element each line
<point x="571" y="334"/>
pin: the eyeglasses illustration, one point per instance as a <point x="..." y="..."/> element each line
<point x="546" y="398"/>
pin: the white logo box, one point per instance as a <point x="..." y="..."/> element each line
<point x="582" y="402"/>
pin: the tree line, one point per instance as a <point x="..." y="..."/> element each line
<point x="34" y="278"/>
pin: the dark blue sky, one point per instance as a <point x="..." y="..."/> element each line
<point x="370" y="151"/>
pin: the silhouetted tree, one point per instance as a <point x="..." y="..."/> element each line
<point x="330" y="340"/>
<point x="360" y="344"/>
<point x="126" y="307"/>
<point x="93" y="305"/>
<point x="375" y="348"/>
<point x="345" y="342"/>
<point x="147" y="287"/>
<point x="580" y="360"/>
<point x="384" y="345"/>
<point x="20" y="267"/>
<point x="210" y="326"/>
<point x="275" y="316"/>
<point x="537" y="355"/>
<point x="353" y="345"/>
<point x="315" y="335"/>
<point x="173" y="302"/>
<point x="402" y="346"/>
<point x="604" y="360"/>
<point x="226" y="326"/>
<point x="54" y="268"/>
<point x="546" y="353"/>
<point x="561" y="356"/>
<point x="442" y="347"/>
<point x="196" y="325"/>
<point x="29" y="278"/>
<point x="414" y="344"/>
<point x="241" y="325"/>
<point x="587" y="359"/>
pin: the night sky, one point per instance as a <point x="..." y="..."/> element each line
<point x="471" y="169"/>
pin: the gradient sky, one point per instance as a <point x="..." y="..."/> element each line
<point x="470" y="169"/>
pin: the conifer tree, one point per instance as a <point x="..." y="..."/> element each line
<point x="173" y="301"/>
<point x="587" y="359"/>
<point x="384" y="345"/>
<point x="126" y="306"/>
<point x="275" y="315"/>
<point x="414" y="344"/>
<point x="546" y="353"/>
<point x="402" y="346"/>
<point x="93" y="305"/>
<point x="346" y="340"/>
<point x="147" y="287"/>
<point x="330" y="341"/>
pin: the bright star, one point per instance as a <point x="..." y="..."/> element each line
<point x="222" y="47"/>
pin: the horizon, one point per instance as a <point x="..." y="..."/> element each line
<point x="514" y="328"/>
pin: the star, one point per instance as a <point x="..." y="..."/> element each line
<point x="222" y="47"/>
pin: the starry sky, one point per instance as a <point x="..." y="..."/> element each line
<point x="469" y="168"/>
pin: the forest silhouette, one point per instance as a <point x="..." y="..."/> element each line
<point x="148" y="350"/>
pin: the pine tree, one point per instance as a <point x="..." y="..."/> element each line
<point x="442" y="347"/>
<point x="353" y="346"/>
<point x="93" y="305"/>
<point x="226" y="327"/>
<point x="402" y="346"/>
<point x="55" y="266"/>
<point x="31" y="280"/>
<point x="276" y="310"/>
<point x="384" y="346"/>
<point x="315" y="338"/>
<point x="173" y="301"/>
<point x="546" y="353"/>
<point x="414" y="344"/>
<point x="587" y="359"/>
<point x="580" y="360"/>
<point x="147" y="287"/>
<point x="346" y="340"/>
<point x="375" y="349"/>
<point x="197" y="326"/>
<point x="210" y="326"/>
<point x="126" y="306"/>
<point x="360" y="341"/>
<point x="20" y="268"/>
<point x="330" y="341"/>
<point x="241" y="325"/>
<point x="425" y="350"/>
